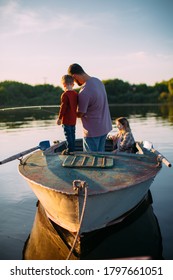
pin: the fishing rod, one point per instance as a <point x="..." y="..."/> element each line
<point x="31" y="107"/>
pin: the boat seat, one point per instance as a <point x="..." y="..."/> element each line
<point x="84" y="161"/>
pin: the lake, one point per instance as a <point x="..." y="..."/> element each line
<point x="25" y="128"/>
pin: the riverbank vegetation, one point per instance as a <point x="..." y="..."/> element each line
<point x="14" y="93"/>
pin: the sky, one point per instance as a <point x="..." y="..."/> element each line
<point x="131" y="40"/>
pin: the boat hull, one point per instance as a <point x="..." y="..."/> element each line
<point x="136" y="237"/>
<point x="111" y="188"/>
<point x="65" y="210"/>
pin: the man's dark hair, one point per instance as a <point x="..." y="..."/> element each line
<point x="75" y="69"/>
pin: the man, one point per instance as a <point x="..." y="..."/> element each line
<point x="93" y="109"/>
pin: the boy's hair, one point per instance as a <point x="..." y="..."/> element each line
<point x="67" y="79"/>
<point x="75" y="69"/>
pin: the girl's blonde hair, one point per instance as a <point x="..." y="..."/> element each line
<point x="124" y="122"/>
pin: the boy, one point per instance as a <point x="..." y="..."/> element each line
<point x="67" y="114"/>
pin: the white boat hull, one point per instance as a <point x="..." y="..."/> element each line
<point x="101" y="209"/>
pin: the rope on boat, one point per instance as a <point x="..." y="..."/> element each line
<point x="83" y="185"/>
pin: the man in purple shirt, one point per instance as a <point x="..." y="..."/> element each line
<point x="93" y="109"/>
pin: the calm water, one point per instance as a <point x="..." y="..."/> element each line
<point x="24" y="129"/>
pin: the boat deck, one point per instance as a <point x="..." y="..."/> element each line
<point x="102" y="172"/>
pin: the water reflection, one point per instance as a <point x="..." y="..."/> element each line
<point x="163" y="111"/>
<point x="135" y="237"/>
<point x="12" y="118"/>
<point x="23" y="117"/>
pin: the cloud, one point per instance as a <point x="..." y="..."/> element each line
<point x="17" y="20"/>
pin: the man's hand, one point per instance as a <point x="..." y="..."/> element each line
<point x="80" y="115"/>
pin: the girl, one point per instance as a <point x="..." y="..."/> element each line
<point x="124" y="140"/>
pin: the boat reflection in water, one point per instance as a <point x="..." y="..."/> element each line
<point x="136" y="236"/>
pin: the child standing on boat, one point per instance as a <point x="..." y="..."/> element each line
<point x="123" y="141"/>
<point x="67" y="114"/>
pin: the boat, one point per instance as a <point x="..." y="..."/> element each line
<point x="138" y="236"/>
<point x="83" y="192"/>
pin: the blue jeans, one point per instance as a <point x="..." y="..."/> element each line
<point x="94" y="144"/>
<point x="69" y="132"/>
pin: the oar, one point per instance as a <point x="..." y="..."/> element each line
<point x="43" y="145"/>
<point x="149" y="146"/>
<point x="161" y="157"/>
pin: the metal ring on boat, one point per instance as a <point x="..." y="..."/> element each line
<point x="79" y="185"/>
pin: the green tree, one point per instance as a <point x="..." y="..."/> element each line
<point x="170" y="86"/>
<point x="13" y="93"/>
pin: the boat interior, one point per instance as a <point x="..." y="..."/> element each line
<point x="79" y="146"/>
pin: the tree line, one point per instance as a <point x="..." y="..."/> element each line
<point x="14" y="93"/>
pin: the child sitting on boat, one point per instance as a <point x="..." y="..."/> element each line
<point x="123" y="141"/>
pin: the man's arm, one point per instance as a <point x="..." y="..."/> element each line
<point x="80" y="115"/>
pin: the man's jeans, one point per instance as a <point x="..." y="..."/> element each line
<point x="95" y="144"/>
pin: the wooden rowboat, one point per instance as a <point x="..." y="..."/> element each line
<point x="88" y="191"/>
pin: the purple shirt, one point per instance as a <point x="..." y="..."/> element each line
<point x="93" y="103"/>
